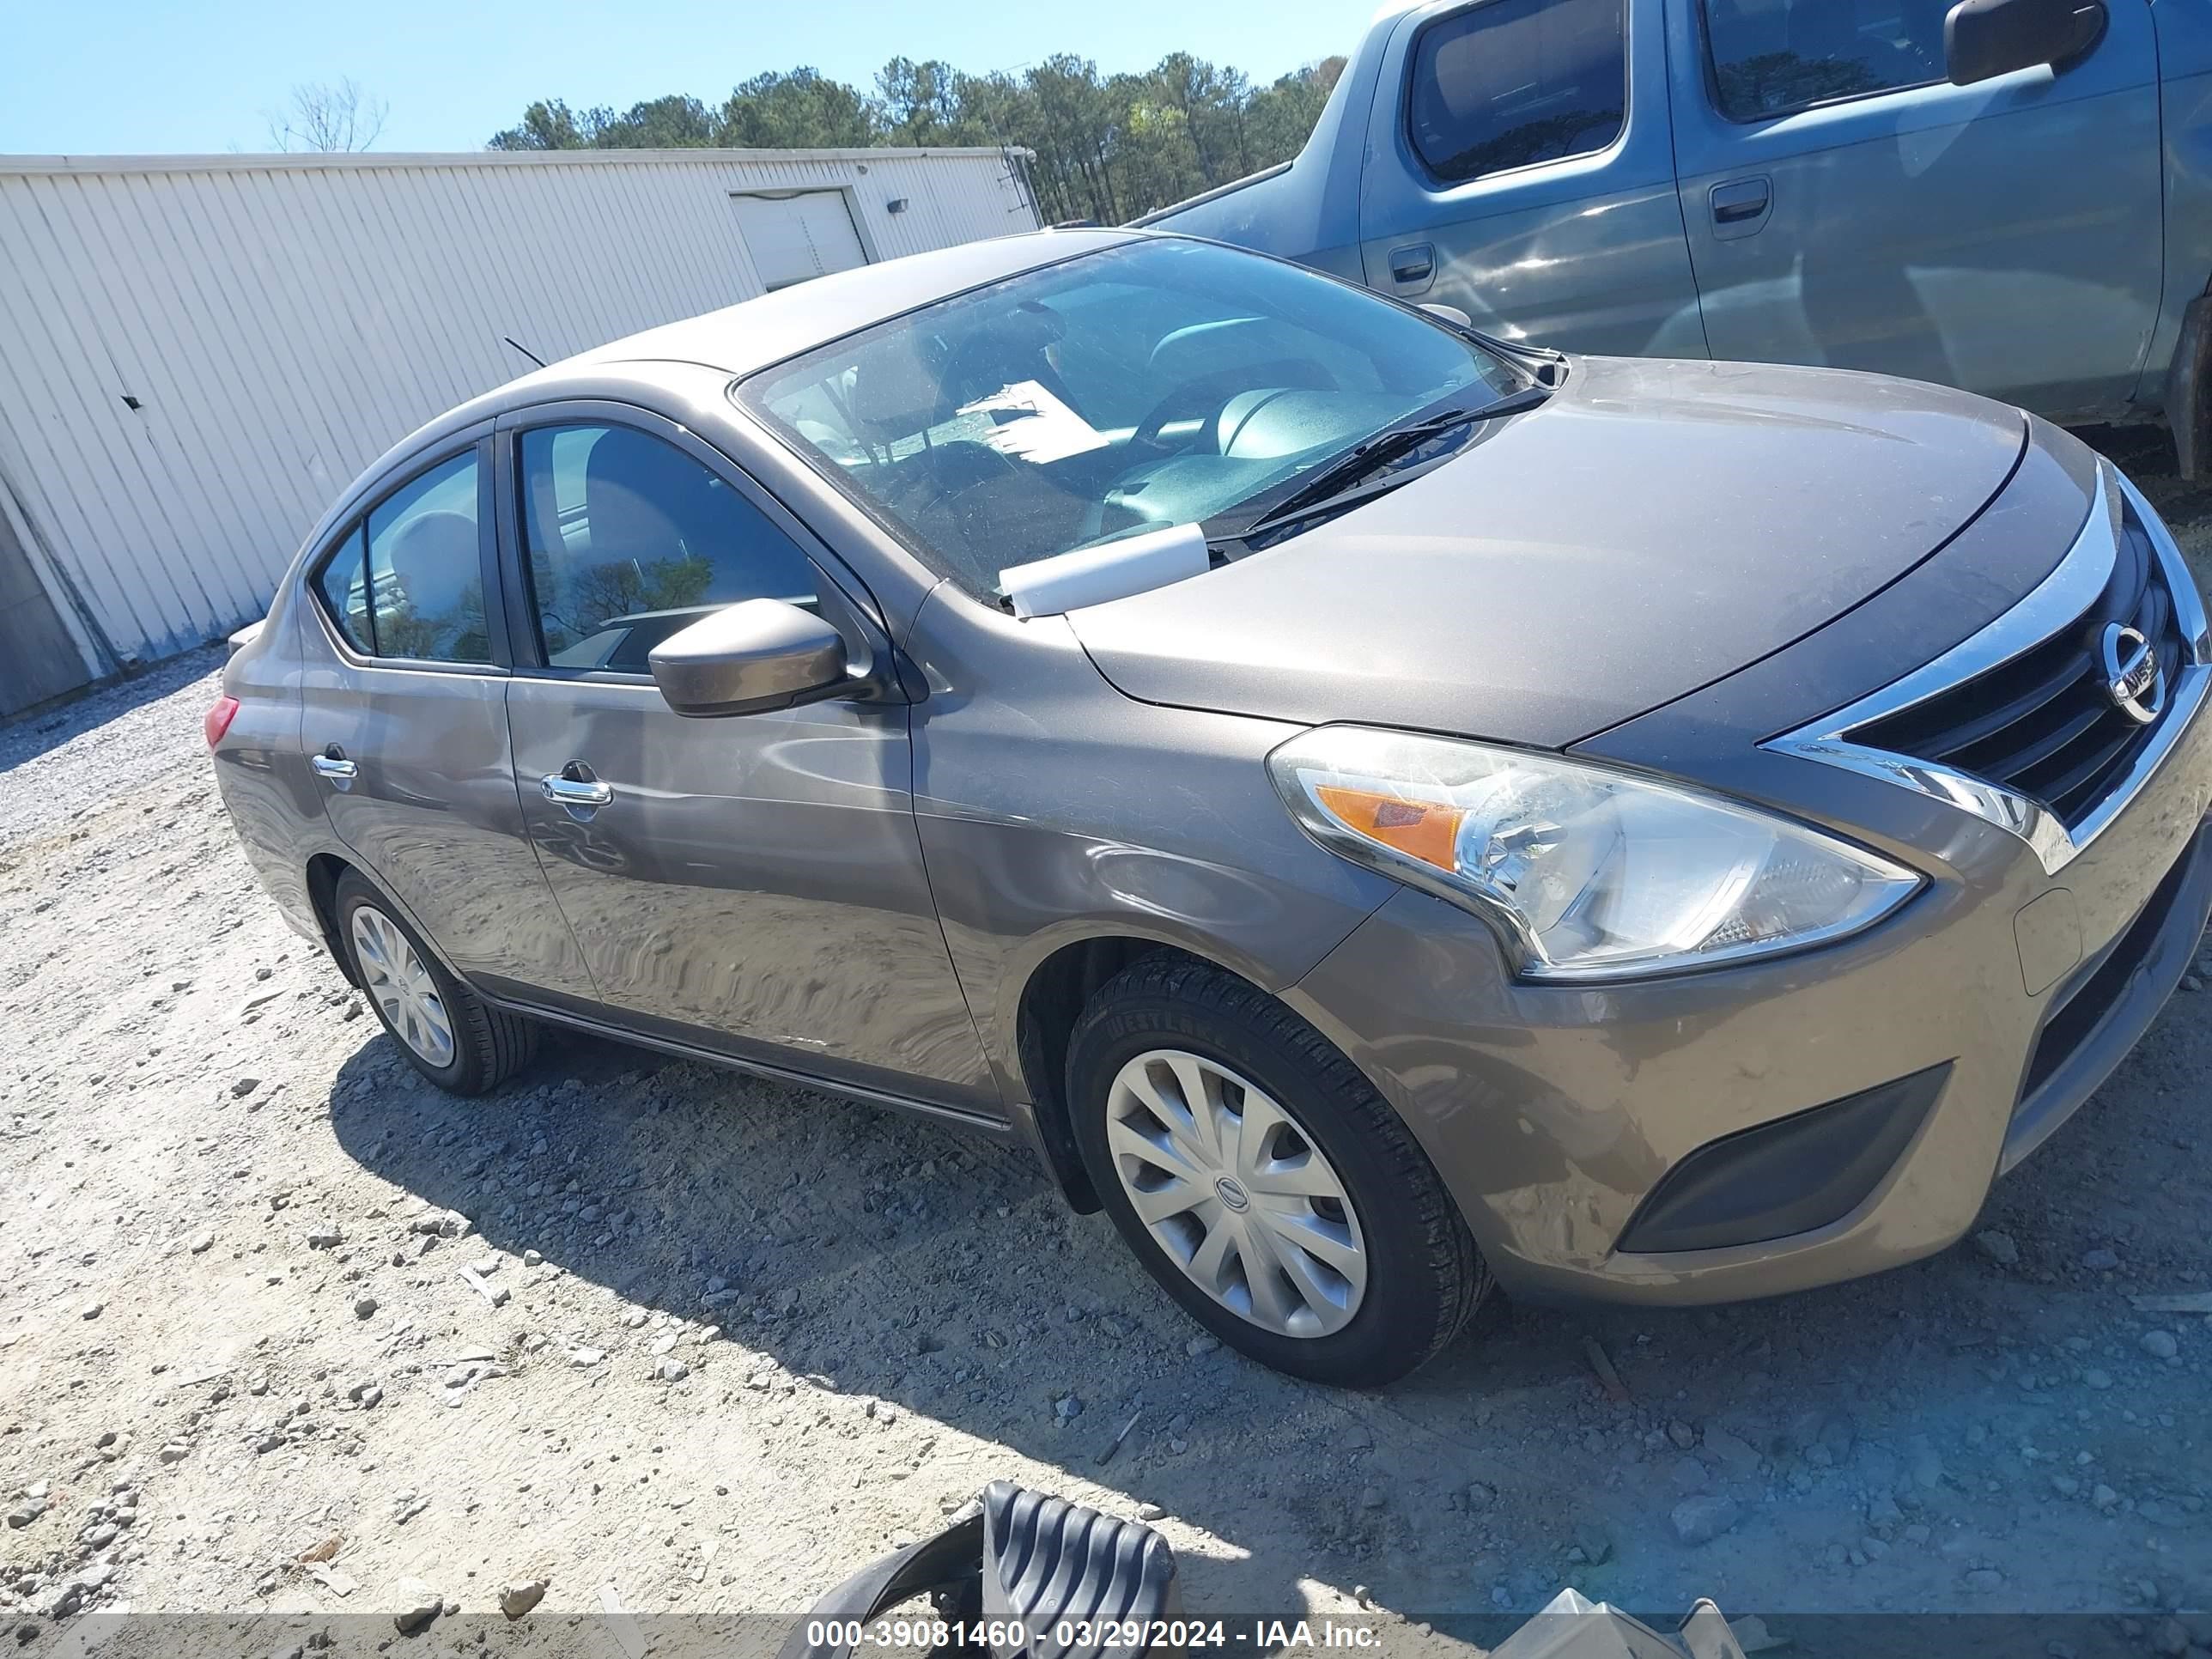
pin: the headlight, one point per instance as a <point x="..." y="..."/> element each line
<point x="1588" y="873"/>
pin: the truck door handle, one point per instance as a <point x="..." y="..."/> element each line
<point x="332" y="763"/>
<point x="1413" y="264"/>
<point x="1740" y="203"/>
<point x="574" y="786"/>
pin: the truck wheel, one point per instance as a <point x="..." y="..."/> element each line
<point x="1261" y="1178"/>
<point x="449" y="1034"/>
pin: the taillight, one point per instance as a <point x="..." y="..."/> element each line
<point x="218" y="720"/>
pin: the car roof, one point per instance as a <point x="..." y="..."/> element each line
<point x="754" y="333"/>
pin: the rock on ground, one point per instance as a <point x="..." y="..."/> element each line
<point x="414" y="1605"/>
<point x="1700" y="1520"/>
<point x="517" y="1599"/>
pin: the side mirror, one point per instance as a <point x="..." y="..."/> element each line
<point x="749" y="658"/>
<point x="1984" y="39"/>
<point x="1451" y="315"/>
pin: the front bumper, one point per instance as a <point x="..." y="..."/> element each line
<point x="1554" y="1112"/>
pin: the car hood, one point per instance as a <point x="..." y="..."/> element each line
<point x="1653" y="527"/>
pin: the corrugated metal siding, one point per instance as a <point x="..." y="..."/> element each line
<point x="280" y="320"/>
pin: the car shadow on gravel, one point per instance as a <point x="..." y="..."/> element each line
<point x="36" y="731"/>
<point x="936" y="1271"/>
<point x="885" y="1257"/>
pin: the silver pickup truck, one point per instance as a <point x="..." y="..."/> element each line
<point x="2014" y="197"/>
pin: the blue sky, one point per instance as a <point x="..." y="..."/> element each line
<point x="143" y="76"/>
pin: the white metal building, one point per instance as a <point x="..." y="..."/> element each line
<point x="197" y="352"/>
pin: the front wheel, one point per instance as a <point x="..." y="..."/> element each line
<point x="449" y="1033"/>
<point x="1263" y="1181"/>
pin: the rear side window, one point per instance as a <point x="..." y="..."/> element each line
<point x="629" y="540"/>
<point x="344" y="583"/>
<point x="1771" y="57"/>
<point x="1518" y="82"/>
<point x="426" y="598"/>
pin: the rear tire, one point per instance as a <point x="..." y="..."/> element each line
<point x="1397" y="1274"/>
<point x="448" y="1032"/>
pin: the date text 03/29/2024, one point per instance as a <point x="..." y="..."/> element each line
<point x="1135" y="1635"/>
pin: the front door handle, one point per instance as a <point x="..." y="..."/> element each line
<point x="332" y="763"/>
<point x="1412" y="266"/>
<point x="574" y="786"/>
<point x="1742" y="202"/>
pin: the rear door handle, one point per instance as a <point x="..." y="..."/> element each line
<point x="331" y="764"/>
<point x="1740" y="205"/>
<point x="565" y="790"/>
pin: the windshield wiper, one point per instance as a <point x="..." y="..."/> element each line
<point x="1338" y="481"/>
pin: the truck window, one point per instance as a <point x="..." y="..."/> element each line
<point x="1771" y="57"/>
<point x="1516" y="82"/>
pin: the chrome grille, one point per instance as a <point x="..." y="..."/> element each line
<point x="2020" y="724"/>
<point x="2043" y="724"/>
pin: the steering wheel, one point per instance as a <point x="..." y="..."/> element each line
<point x="946" y="469"/>
<point x="1204" y="396"/>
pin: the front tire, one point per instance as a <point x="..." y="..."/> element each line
<point x="1263" y="1181"/>
<point x="449" y="1033"/>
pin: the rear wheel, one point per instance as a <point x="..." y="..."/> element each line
<point x="449" y="1033"/>
<point x="1263" y="1181"/>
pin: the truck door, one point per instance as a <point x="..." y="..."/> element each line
<point x="1847" y="205"/>
<point x="1520" y="167"/>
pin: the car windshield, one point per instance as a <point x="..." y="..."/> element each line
<point x="1158" y="383"/>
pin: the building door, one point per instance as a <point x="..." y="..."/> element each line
<point x="796" y="236"/>
<point x="38" y="658"/>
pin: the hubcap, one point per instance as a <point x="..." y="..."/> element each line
<point x="399" y="982"/>
<point x="1236" y="1194"/>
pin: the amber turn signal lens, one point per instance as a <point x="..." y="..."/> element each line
<point x="1422" y="830"/>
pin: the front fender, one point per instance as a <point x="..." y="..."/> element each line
<point x="1012" y="895"/>
<point x="1052" y="811"/>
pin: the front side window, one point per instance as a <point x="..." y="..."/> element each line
<point x="628" y="540"/>
<point x="425" y="585"/>
<point x="1518" y="82"/>
<point x="1771" y="57"/>
<point x="1156" y="382"/>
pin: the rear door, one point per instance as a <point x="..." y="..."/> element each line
<point x="752" y="885"/>
<point x="1848" y="206"/>
<point x="404" y="719"/>
<point x="1519" y="166"/>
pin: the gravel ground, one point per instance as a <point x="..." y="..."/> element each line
<point x="282" y="1329"/>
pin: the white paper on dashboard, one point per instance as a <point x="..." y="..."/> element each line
<point x="1043" y="428"/>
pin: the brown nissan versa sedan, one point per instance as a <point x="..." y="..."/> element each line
<point x="1374" y="807"/>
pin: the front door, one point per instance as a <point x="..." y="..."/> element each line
<point x="1848" y="206"/>
<point x="404" y="719"/>
<point x="1519" y="166"/>
<point x="751" y="885"/>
